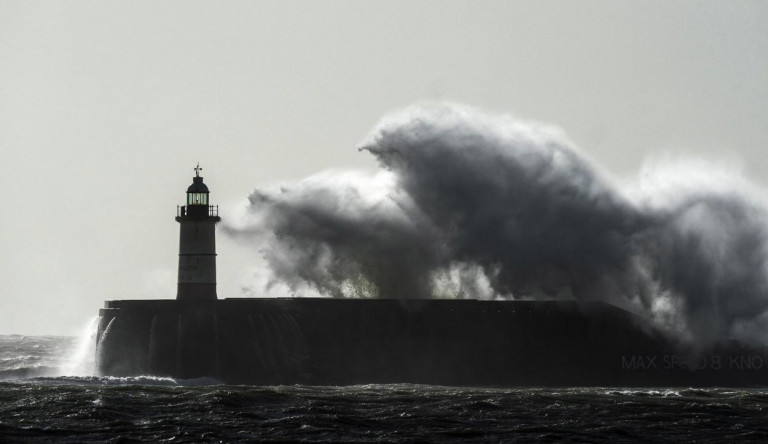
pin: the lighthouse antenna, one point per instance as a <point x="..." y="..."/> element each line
<point x="197" y="170"/>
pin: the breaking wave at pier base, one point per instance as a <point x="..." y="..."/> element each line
<point x="80" y="360"/>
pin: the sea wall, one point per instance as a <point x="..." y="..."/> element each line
<point x="446" y="342"/>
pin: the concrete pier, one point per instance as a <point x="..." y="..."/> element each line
<point x="444" y="342"/>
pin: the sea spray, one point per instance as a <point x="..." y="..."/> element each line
<point x="509" y="209"/>
<point x="81" y="359"/>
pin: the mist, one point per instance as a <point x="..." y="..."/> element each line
<point x="472" y="205"/>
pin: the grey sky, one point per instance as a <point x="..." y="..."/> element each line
<point x="105" y="107"/>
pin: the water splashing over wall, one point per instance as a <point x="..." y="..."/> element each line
<point x="81" y="360"/>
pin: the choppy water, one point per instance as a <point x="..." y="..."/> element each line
<point x="38" y="403"/>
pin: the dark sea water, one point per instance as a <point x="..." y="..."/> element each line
<point x="39" y="404"/>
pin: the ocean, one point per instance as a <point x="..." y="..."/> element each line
<point x="48" y="394"/>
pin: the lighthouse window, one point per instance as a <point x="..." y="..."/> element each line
<point x="197" y="199"/>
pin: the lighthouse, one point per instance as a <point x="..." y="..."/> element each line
<point x="197" y="243"/>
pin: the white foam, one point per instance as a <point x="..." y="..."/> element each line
<point x="81" y="360"/>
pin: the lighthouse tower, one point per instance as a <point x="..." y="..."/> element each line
<point x="197" y="243"/>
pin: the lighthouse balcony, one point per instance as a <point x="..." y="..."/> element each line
<point x="183" y="211"/>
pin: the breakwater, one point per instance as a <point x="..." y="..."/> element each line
<point x="445" y="342"/>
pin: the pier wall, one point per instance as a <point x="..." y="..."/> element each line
<point x="445" y="342"/>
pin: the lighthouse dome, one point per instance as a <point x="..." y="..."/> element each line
<point x="197" y="186"/>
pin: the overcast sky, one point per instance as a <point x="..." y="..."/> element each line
<point x="105" y="108"/>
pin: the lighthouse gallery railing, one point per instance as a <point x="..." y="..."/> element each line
<point x="213" y="210"/>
